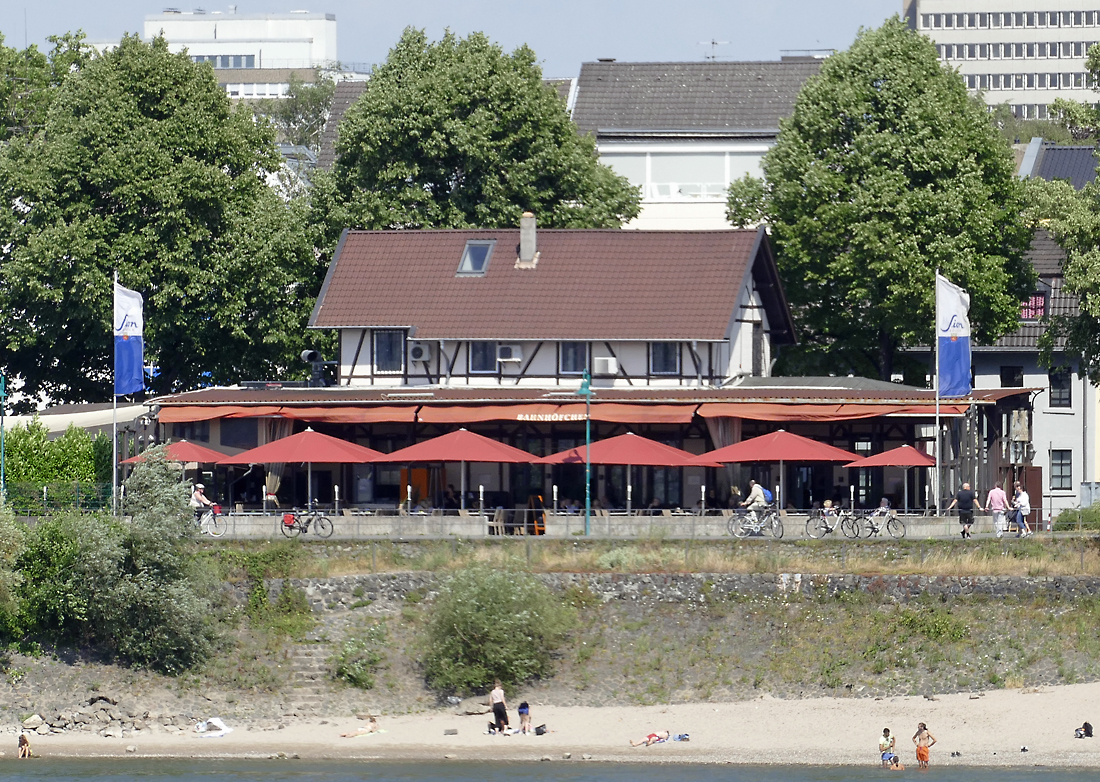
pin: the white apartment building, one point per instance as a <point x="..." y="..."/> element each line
<point x="253" y="54"/>
<point x="1025" y="53"/>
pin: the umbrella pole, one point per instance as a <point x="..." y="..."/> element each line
<point x="309" y="485"/>
<point x="906" y="491"/>
<point x="462" y="483"/>
<point x="629" y="490"/>
<point x="782" y="485"/>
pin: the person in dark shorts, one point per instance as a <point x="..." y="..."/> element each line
<point x="500" y="708"/>
<point x="967" y="502"/>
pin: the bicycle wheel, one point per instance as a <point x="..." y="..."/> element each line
<point x="216" y="525"/>
<point x="816" y="527"/>
<point x="293" y="529"/>
<point x="739" y="527"/>
<point x="896" y="528"/>
<point x="777" y="527"/>
<point x="322" y="525"/>
<point x="850" y="527"/>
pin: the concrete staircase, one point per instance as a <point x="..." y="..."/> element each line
<point x="309" y="676"/>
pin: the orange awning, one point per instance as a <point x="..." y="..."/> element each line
<point x="405" y="414"/>
<point x="619" y="413"/>
<point x="472" y="414"/>
<point x="774" y="411"/>
<point x="188" y="413"/>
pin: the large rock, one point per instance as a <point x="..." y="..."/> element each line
<point x="32" y="722"/>
<point x="473" y="706"/>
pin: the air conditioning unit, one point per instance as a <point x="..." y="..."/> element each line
<point x="509" y="353"/>
<point x="420" y="351"/>
<point x="605" y="365"/>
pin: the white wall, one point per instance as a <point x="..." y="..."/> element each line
<point x="1053" y="428"/>
<point x="683" y="184"/>
<point x="273" y="40"/>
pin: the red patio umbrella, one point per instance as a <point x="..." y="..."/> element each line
<point x="184" y="452"/>
<point x="631" y="450"/>
<point x="308" y="447"/>
<point x="779" y="446"/>
<point x="461" y="446"/>
<point x="906" y="456"/>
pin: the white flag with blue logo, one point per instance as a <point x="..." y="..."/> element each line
<point x="952" y="338"/>
<point x="129" y="323"/>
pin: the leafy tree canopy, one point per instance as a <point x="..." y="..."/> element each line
<point x="141" y="166"/>
<point x="29" y="78"/>
<point x="458" y="134"/>
<point x="885" y="171"/>
<point x="1073" y="220"/>
<point x="300" y="117"/>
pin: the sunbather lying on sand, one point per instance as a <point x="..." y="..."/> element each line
<point x="652" y="738"/>
<point x="370" y="727"/>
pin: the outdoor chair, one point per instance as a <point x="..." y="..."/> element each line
<point x="496" y="524"/>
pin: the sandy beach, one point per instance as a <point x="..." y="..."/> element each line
<point x="986" y="729"/>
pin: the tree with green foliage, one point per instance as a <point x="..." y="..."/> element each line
<point x="143" y="167"/>
<point x="458" y="134"/>
<point x="489" y="623"/>
<point x="886" y="171"/>
<point x="300" y="116"/>
<point x="1073" y="220"/>
<point x="1060" y="129"/>
<point x="29" y="81"/>
<point x="32" y="457"/>
<point x="129" y="589"/>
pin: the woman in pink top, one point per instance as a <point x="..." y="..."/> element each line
<point x="997" y="501"/>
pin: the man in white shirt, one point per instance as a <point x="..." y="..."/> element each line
<point x="1022" y="504"/>
<point x="756" y="499"/>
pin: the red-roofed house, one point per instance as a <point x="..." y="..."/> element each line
<point x="537" y="308"/>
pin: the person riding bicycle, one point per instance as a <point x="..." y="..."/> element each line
<point x="756" y="499"/>
<point x="199" y="501"/>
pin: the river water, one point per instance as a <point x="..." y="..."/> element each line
<point x="347" y="771"/>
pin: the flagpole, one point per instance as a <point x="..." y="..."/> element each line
<point x="114" y="410"/>
<point x="936" y="348"/>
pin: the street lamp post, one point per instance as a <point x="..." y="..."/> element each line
<point x="586" y="391"/>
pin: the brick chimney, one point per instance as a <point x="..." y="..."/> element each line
<point x="528" y="242"/>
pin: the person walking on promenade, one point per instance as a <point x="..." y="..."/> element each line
<point x="997" y="502"/>
<point x="967" y="502"/>
<point x="924" y="741"/>
<point x="500" y="708"/>
<point x="1021" y="504"/>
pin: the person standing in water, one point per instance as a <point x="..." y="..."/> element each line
<point x="924" y="741"/>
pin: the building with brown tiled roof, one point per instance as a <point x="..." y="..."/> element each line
<point x="537" y="308"/>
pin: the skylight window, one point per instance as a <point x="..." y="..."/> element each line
<point x="475" y="258"/>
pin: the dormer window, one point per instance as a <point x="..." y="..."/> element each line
<point x="1034" y="307"/>
<point x="475" y="258"/>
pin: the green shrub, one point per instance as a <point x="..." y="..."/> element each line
<point x="12" y="541"/>
<point x="1068" y="519"/>
<point x="488" y="624"/>
<point x="936" y="624"/>
<point x="360" y="656"/>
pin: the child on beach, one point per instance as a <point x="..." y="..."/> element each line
<point x="524" y="711"/>
<point x="24" y="746"/>
<point x="896" y="764"/>
<point x="924" y="741"/>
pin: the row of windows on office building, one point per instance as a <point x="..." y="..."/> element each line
<point x="1028" y="81"/>
<point x="226" y="60"/>
<point x="484" y="356"/>
<point x="1015" y="51"/>
<point x="257" y="90"/>
<point x="986" y="21"/>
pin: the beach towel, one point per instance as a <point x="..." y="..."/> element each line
<point x="212" y="728"/>
<point x="360" y="735"/>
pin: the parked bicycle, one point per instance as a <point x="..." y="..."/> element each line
<point x="747" y="523"/>
<point x="819" y="524"/>
<point x="296" y="522"/>
<point x="211" y="522"/>
<point x="875" y="523"/>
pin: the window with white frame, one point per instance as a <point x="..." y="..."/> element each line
<point x="1061" y="470"/>
<point x="573" y="358"/>
<point x="389" y="351"/>
<point x="664" y="358"/>
<point x="483" y="358"/>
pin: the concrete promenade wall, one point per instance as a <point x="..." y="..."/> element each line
<point x="340" y="593"/>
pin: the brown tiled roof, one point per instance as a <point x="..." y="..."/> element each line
<point x="588" y="285"/>
<point x="773" y="389"/>
<point x="710" y="96"/>
<point x="347" y="92"/>
<point x="1045" y="254"/>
